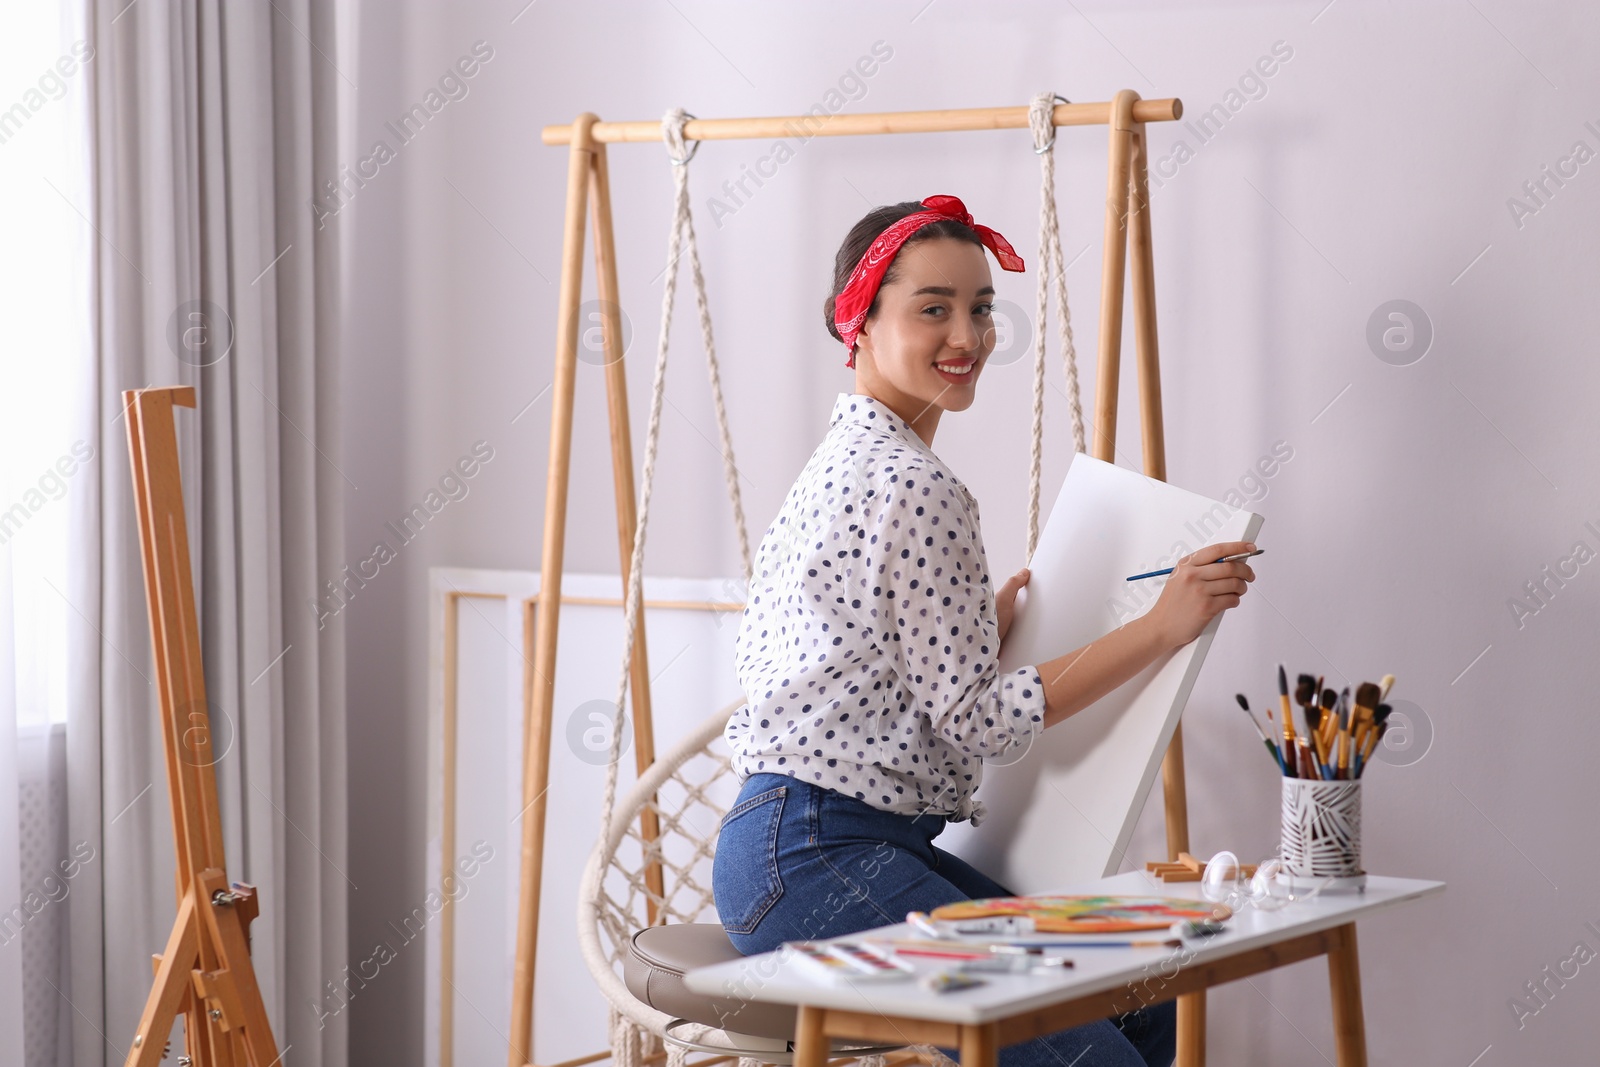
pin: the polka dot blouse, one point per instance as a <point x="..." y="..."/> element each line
<point x="869" y="644"/>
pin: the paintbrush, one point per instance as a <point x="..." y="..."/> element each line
<point x="1272" y="729"/>
<point x="1283" y="699"/>
<point x="1277" y="757"/>
<point x="1305" y="694"/>
<point x="1328" y="727"/>
<point x="1383" y="728"/>
<point x="1308" y="766"/>
<point x="1367" y="697"/>
<point x="1380" y="722"/>
<point x="1344" y="733"/>
<point x="1373" y="741"/>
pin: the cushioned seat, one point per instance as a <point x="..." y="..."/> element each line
<point x="654" y="972"/>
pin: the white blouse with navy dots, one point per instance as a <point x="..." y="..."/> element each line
<point x="869" y="646"/>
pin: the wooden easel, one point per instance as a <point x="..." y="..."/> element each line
<point x="205" y="971"/>
<point x="1127" y="249"/>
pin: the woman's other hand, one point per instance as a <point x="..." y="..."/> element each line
<point x="1005" y="601"/>
<point x="1199" y="590"/>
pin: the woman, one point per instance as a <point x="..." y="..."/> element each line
<point x="869" y="644"/>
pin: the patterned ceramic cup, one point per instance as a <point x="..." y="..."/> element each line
<point x="1322" y="828"/>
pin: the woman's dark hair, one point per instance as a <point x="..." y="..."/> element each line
<point x="860" y="238"/>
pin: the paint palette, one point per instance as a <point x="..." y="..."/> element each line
<point x="849" y="961"/>
<point x="1088" y="914"/>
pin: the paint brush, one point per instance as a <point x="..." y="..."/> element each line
<point x="1305" y="694"/>
<point x="1313" y="714"/>
<point x="1308" y="766"/>
<point x="1283" y="700"/>
<point x="1219" y="559"/>
<point x="1344" y="733"/>
<point x="1380" y="722"/>
<point x="1328" y="725"/>
<point x="1319" y="756"/>
<point x="1277" y="757"/>
<point x="1367" y="697"/>
<point x="1377" y="735"/>
<point x="1272" y="731"/>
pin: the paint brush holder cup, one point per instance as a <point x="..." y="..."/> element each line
<point x="1321" y="843"/>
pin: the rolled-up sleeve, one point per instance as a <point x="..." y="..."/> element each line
<point x="921" y="590"/>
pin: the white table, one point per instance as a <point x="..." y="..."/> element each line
<point x="1102" y="981"/>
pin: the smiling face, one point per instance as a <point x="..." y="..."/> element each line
<point x="922" y="352"/>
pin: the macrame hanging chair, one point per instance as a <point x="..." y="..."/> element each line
<point x="644" y="915"/>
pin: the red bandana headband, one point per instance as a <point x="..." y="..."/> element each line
<point x="851" y="306"/>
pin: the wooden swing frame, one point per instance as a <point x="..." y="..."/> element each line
<point x="1127" y="246"/>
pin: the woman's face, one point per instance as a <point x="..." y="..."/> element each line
<point x="922" y="352"/>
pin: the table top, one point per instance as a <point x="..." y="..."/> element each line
<point x="778" y="977"/>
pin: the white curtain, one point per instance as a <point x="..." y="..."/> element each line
<point x="212" y="124"/>
<point x="13" y="1013"/>
<point x="48" y="475"/>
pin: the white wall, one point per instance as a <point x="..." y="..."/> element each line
<point x="1419" y="501"/>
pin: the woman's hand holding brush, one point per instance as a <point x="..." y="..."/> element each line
<point x="1198" y="591"/>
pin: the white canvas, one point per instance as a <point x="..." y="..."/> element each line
<point x="1065" y="811"/>
<point x="691" y="655"/>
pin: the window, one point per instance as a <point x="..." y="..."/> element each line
<point x="48" y="460"/>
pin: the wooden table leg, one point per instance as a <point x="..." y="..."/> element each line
<point x="980" y="1045"/>
<point x="810" y="1043"/>
<point x="1344" y="982"/>
<point x="1192" y="1029"/>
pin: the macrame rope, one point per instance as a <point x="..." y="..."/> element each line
<point x="682" y="232"/>
<point x="1044" y="139"/>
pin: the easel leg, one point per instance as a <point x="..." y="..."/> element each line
<point x="220" y="1043"/>
<point x="1344" y="982"/>
<point x="171" y="983"/>
<point x="245" y="1012"/>
<point x="1192" y="1029"/>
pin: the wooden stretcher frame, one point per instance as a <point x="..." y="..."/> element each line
<point x="449" y="601"/>
<point x="1127" y="250"/>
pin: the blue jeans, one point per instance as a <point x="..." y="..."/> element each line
<point x="796" y="861"/>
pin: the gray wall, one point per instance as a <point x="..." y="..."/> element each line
<point x="1381" y="161"/>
